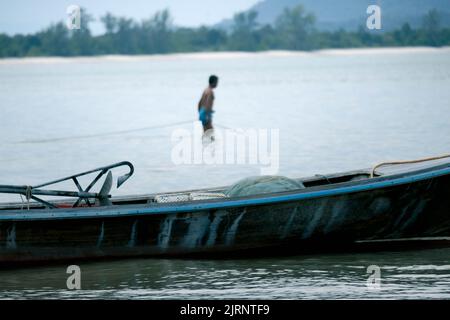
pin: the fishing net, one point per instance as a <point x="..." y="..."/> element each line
<point x="262" y="184"/>
<point x="164" y="198"/>
<point x="244" y="187"/>
<point x="179" y="197"/>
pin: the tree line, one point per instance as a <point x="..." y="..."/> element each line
<point x="294" y="29"/>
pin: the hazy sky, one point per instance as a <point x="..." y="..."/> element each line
<point x="27" y="16"/>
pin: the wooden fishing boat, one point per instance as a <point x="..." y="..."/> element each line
<point x="397" y="202"/>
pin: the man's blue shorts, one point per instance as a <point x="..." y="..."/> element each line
<point x="205" y="116"/>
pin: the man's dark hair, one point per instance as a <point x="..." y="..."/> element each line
<point x="213" y="79"/>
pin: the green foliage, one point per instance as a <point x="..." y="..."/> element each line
<point x="431" y="25"/>
<point x="293" y="30"/>
<point x="244" y="35"/>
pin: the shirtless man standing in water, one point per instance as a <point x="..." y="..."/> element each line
<point x="205" y="105"/>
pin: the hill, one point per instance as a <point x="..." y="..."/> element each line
<point x="350" y="14"/>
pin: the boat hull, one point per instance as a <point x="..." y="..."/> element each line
<point x="415" y="208"/>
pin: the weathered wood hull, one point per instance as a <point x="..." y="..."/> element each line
<point x="402" y="206"/>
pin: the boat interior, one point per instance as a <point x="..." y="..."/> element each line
<point x="86" y="198"/>
<point x="168" y="197"/>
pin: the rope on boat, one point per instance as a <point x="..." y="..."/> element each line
<point x="28" y="193"/>
<point x="372" y="174"/>
<point x="23" y="202"/>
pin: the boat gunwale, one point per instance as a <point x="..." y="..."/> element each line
<point x="224" y="203"/>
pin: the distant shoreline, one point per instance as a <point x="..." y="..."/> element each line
<point x="228" y="55"/>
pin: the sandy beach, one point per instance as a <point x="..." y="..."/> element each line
<point x="228" y="55"/>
